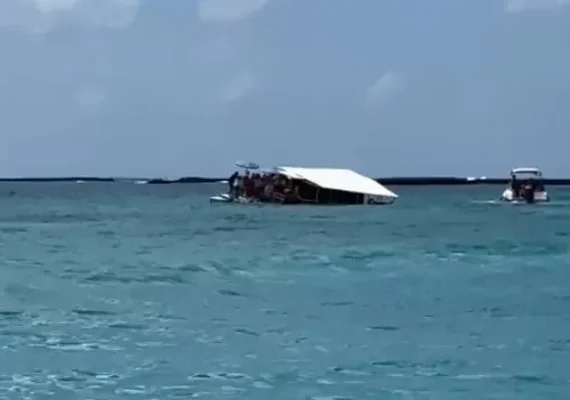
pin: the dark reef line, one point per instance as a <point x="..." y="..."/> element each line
<point x="391" y="181"/>
<point x="59" y="179"/>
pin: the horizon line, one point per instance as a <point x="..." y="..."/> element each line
<point x="393" y="180"/>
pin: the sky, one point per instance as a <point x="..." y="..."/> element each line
<point x="156" y="88"/>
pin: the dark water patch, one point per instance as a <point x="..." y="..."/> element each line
<point x="531" y="379"/>
<point x="434" y="368"/>
<point x="10" y="314"/>
<point x="231" y="293"/>
<point x="322" y="217"/>
<point x="71" y="378"/>
<point x="377" y="223"/>
<point x="163" y="278"/>
<point x="493" y="312"/>
<point x="191" y="268"/>
<point x="92" y="312"/>
<point x="178" y="392"/>
<point x="559" y="345"/>
<point x="201" y="232"/>
<point x="88" y="374"/>
<point x="478" y="247"/>
<point x="389" y="328"/>
<point x="399" y="364"/>
<point x="219" y="320"/>
<point x="128" y="326"/>
<point x="239" y="217"/>
<point x="13" y="230"/>
<point x="109" y="277"/>
<point x="560" y="341"/>
<point x="218" y="267"/>
<point x="349" y="371"/>
<point x="360" y="256"/>
<point x="302" y="256"/>
<point x="462" y="248"/>
<point x="201" y="377"/>
<point x="146" y="250"/>
<point x="107" y="233"/>
<point x="337" y="303"/>
<point x="284" y="377"/>
<point x="73" y="345"/>
<point x="234" y="228"/>
<point x="245" y="331"/>
<point x="71" y="218"/>
<point x="57" y="248"/>
<point x="23" y="334"/>
<point x="233" y="376"/>
<point x="168" y="317"/>
<point x="277" y="331"/>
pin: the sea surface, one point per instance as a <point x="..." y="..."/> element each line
<point x="118" y="291"/>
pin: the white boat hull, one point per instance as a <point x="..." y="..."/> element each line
<point x="226" y="198"/>
<point x="221" y="198"/>
<point x="539" y="197"/>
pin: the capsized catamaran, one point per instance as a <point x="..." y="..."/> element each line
<point x="316" y="186"/>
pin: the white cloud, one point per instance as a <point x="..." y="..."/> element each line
<point x="238" y="87"/>
<point x="517" y="6"/>
<point x="229" y="10"/>
<point x="41" y="16"/>
<point x="384" y="89"/>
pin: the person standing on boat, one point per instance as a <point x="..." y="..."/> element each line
<point x="515" y="186"/>
<point x="231" y="182"/>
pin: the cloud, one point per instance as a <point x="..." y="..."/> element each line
<point x="229" y="10"/>
<point x="42" y="16"/>
<point x="518" y="6"/>
<point x="229" y="48"/>
<point x="384" y="89"/>
<point x="238" y="87"/>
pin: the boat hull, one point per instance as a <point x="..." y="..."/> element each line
<point x="539" y="196"/>
<point x="221" y="198"/>
<point x="378" y="200"/>
<point x="367" y="200"/>
<point x="226" y="198"/>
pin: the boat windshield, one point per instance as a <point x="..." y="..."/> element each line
<point x="522" y="176"/>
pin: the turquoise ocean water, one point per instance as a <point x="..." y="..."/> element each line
<point x="116" y="291"/>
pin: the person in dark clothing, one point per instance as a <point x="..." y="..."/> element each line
<point x="515" y="186"/>
<point x="231" y="182"/>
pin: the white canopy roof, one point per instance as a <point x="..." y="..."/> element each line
<point x="338" y="179"/>
<point x="527" y="172"/>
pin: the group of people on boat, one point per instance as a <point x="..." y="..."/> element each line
<point x="265" y="187"/>
<point x="525" y="189"/>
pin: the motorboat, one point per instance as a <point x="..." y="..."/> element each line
<point x="227" y="198"/>
<point x="526" y="186"/>
<point x="246" y="166"/>
<point x="222" y="198"/>
<point x="320" y="186"/>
